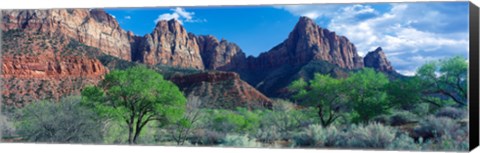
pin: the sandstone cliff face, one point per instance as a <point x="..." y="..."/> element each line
<point x="27" y="79"/>
<point x="309" y="42"/>
<point x="378" y="61"/>
<point x="222" y="90"/>
<point x="92" y="27"/>
<point x="37" y="66"/>
<point x="220" y="55"/>
<point x="170" y="44"/>
<point x="51" y="67"/>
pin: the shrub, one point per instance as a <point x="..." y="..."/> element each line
<point x="240" y="141"/>
<point x="383" y="119"/>
<point x="402" y="118"/>
<point x="7" y="128"/>
<point x="268" y="134"/>
<point x="65" y="122"/>
<point x="313" y="135"/>
<point x="206" y="137"/>
<point x="318" y="136"/>
<point x="451" y="112"/>
<point x="404" y="142"/>
<point x="374" y="135"/>
<point x="433" y="127"/>
<point x="114" y="132"/>
<point x="283" y="105"/>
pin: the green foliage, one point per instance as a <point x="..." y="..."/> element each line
<point x="65" y="122"/>
<point x="405" y="93"/>
<point x="325" y="93"/>
<point x="241" y="120"/>
<point x="240" y="141"/>
<point x="446" y="77"/>
<point x="136" y="95"/>
<point x="366" y="92"/>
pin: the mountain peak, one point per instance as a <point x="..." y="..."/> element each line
<point x="307" y="42"/>
<point x="170" y="26"/>
<point x="377" y="60"/>
<point x="304" y="23"/>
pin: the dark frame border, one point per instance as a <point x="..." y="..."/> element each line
<point x="473" y="88"/>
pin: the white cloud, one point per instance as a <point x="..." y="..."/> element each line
<point x="311" y="11"/>
<point x="127" y="17"/>
<point x="410" y="34"/>
<point x="180" y="15"/>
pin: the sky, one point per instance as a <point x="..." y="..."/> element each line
<point x="409" y="33"/>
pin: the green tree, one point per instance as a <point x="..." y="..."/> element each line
<point x="406" y="93"/>
<point x="325" y="93"/>
<point x="137" y="96"/>
<point x="446" y="77"/>
<point x="366" y="92"/>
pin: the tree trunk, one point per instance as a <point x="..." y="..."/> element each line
<point x="130" y="134"/>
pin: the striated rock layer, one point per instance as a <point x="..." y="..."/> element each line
<point x="37" y="66"/>
<point x="169" y="44"/>
<point x="51" y="67"/>
<point x="92" y="27"/>
<point x="222" y="90"/>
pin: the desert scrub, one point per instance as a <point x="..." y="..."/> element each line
<point x="451" y="112"/>
<point x="405" y="142"/>
<point x="7" y="127"/>
<point x="373" y="136"/>
<point x="402" y="118"/>
<point x="268" y="134"/>
<point x="234" y="140"/>
<point x="65" y="122"/>
<point x="317" y="136"/>
<point x="435" y="127"/>
<point x="206" y="137"/>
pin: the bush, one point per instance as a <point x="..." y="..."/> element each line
<point x="318" y="136"/>
<point x="402" y="118"/>
<point x="206" y="137"/>
<point x="383" y="119"/>
<point x="404" y="142"/>
<point x="312" y="136"/>
<point x="7" y="128"/>
<point x="63" y="122"/>
<point x="432" y="127"/>
<point x="374" y="135"/>
<point x="452" y="113"/>
<point x="240" y="141"/>
<point x="268" y="134"/>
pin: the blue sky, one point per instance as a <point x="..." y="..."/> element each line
<point x="409" y="33"/>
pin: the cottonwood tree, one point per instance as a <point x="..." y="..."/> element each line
<point x="446" y="78"/>
<point x="137" y="96"/>
<point x="367" y="94"/>
<point x="325" y="93"/>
